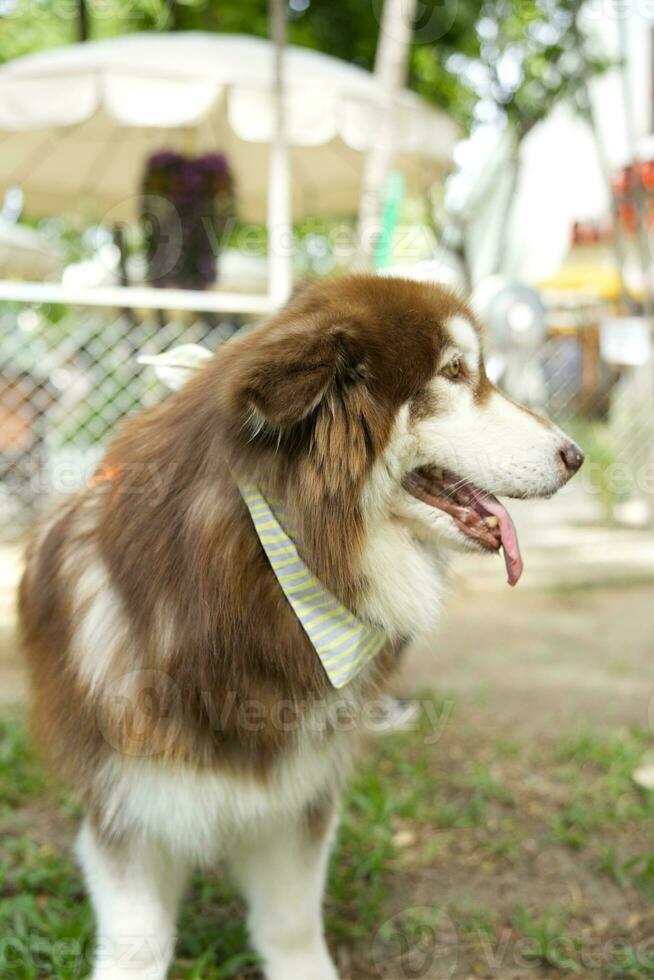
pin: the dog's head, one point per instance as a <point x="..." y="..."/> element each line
<point x="369" y="396"/>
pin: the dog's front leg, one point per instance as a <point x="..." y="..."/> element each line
<point x="281" y="869"/>
<point x="135" y="890"/>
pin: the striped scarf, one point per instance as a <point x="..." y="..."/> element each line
<point x="343" y="643"/>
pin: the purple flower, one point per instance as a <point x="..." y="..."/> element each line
<point x="201" y="194"/>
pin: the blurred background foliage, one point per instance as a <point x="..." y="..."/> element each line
<point x="519" y="58"/>
<point x="348" y="29"/>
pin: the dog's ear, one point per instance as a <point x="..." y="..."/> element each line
<point x="178" y="365"/>
<point x="290" y="372"/>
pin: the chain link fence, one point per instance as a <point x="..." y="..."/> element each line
<point x="67" y="377"/>
<point x="607" y="407"/>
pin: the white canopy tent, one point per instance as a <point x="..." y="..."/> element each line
<point x="77" y="122"/>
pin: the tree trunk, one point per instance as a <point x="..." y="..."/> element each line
<point x="391" y="60"/>
<point x="82" y="21"/>
<point x="509" y="208"/>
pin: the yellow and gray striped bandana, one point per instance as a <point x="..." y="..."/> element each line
<point x="343" y="643"/>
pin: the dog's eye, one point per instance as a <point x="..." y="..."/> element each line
<point x="453" y="369"/>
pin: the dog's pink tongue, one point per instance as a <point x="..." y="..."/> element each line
<point x="509" y="535"/>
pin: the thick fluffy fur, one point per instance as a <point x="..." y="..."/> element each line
<point x="173" y="686"/>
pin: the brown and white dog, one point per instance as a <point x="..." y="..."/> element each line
<point x="174" y="686"/>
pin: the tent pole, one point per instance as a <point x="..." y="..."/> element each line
<point x="280" y="242"/>
<point x="391" y="58"/>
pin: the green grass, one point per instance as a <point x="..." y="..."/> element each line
<point x="630" y="963"/>
<point x="474" y="922"/>
<point x="613" y="753"/>
<point x="21" y="778"/>
<point x="417" y="814"/>
<point x="44" y="917"/>
<point x="45" y="920"/>
<point x="358" y="881"/>
<point x="546" y="940"/>
<point x="598" y="771"/>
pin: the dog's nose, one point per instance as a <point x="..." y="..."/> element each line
<point x="571" y="457"/>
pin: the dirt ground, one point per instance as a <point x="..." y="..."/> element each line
<point x="529" y="663"/>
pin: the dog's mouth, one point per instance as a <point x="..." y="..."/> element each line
<point x="477" y="514"/>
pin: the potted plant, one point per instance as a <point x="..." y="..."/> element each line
<point x="186" y="204"/>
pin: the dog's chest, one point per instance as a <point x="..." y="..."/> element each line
<point x="404" y="582"/>
<point x="201" y="811"/>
